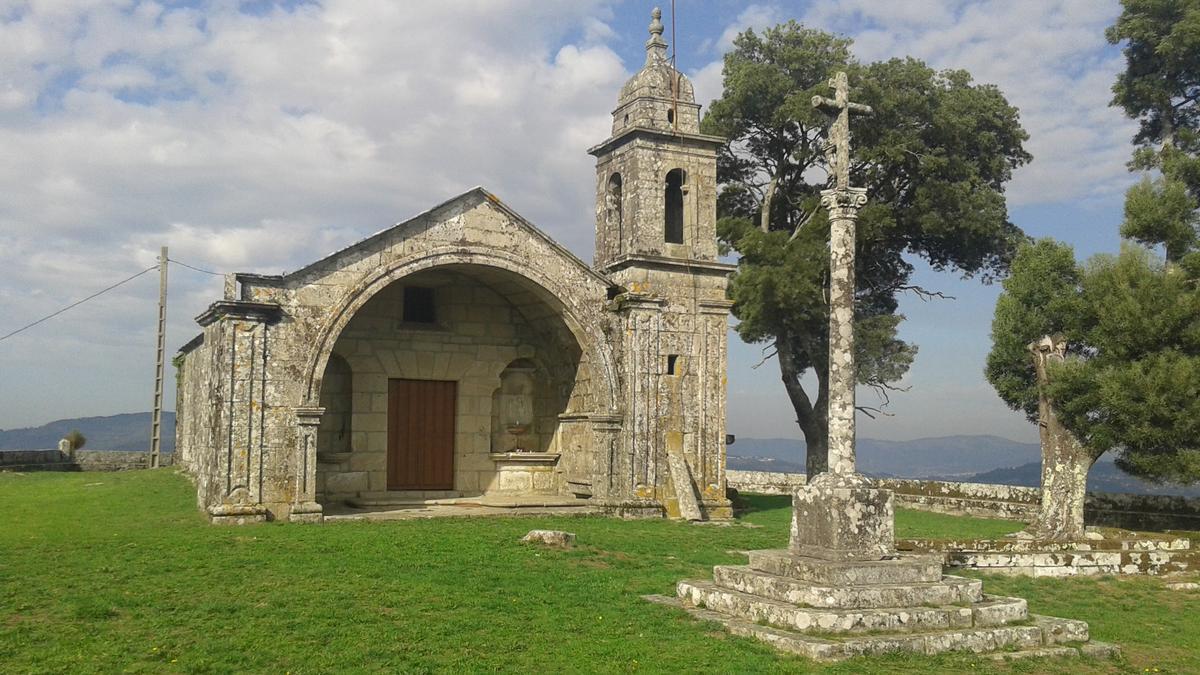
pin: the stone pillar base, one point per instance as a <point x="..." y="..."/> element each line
<point x="717" y="509"/>
<point x="237" y="514"/>
<point x="306" y="512"/>
<point x="634" y="508"/>
<point x="842" y="517"/>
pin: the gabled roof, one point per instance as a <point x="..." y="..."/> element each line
<point x="475" y="193"/>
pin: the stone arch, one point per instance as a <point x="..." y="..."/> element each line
<point x="569" y="300"/>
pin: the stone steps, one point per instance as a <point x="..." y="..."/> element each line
<point x="1043" y="637"/>
<point x="1014" y="545"/>
<point x="1080" y="563"/>
<point x="992" y="611"/>
<point x="948" y="590"/>
<point x="906" y="568"/>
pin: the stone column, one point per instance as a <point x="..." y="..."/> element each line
<point x="843" y="205"/>
<point x="305" y="508"/>
<point x="643" y="323"/>
<point x="840" y="515"/>
<point x="713" y="365"/>
<point x="610" y="462"/>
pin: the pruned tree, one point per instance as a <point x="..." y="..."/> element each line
<point x="1036" y="325"/>
<point x="934" y="157"/>
<point x="1104" y="357"/>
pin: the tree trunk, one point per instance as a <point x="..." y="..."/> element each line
<point x="1065" y="461"/>
<point x="811" y="417"/>
<point x="764" y="222"/>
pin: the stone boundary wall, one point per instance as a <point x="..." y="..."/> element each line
<point x="85" y="460"/>
<point x="1145" y="512"/>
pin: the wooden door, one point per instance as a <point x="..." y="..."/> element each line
<point x="421" y="434"/>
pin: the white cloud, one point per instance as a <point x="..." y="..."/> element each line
<point x="248" y="141"/>
<point x="1049" y="58"/>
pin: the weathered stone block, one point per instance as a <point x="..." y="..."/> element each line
<point x="842" y="518"/>
<point x="947" y="591"/>
<point x="515" y="481"/>
<point x="904" y="569"/>
<point x="550" y="537"/>
<point x="368" y="461"/>
<point x="348" y="482"/>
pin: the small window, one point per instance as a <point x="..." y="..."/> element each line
<point x="418" y="305"/>
<point x="671" y="116"/>
<point x="673" y="228"/>
<point x="614" y="207"/>
<point x="626" y="119"/>
<point x="672" y="360"/>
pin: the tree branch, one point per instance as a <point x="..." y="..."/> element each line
<point x="872" y="412"/>
<point x="923" y="293"/>
<point x="767" y="357"/>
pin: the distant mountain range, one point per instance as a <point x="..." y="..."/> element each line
<point x="972" y="459"/>
<point x="1104" y="477"/>
<point x="975" y="459"/>
<point x="130" y="431"/>
<point x="950" y="457"/>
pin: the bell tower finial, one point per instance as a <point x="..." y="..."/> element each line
<point x="656" y="47"/>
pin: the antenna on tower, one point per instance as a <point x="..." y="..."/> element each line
<point x="674" y="74"/>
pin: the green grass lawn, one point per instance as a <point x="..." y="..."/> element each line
<point x="119" y="572"/>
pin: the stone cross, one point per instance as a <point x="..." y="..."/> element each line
<point x="839" y="132"/>
<point x="843" y="203"/>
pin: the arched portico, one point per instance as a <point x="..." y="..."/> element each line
<point x="497" y="320"/>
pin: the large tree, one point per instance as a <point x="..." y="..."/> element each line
<point x="1114" y="357"/>
<point x="1103" y="357"/>
<point x="1160" y="88"/>
<point x="934" y="157"/>
<point x="1036" y="328"/>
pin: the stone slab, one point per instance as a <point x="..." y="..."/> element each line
<point x="1040" y="546"/>
<point x="1078" y="563"/>
<point x="909" y="568"/>
<point x="978" y="640"/>
<point x="994" y="611"/>
<point x="1100" y="650"/>
<point x="1056" y="630"/>
<point x="949" y="590"/>
<point x="1038" y="653"/>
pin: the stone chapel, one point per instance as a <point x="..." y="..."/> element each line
<point x="465" y="355"/>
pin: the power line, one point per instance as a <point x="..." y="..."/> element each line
<point x="191" y="267"/>
<point x="76" y="304"/>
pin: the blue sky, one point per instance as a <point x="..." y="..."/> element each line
<point x="258" y="136"/>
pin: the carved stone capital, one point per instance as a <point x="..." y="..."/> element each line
<point x="309" y="416"/>
<point x="843" y="203"/>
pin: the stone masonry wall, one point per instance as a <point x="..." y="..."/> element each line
<point x="85" y="460"/>
<point x="251" y="390"/>
<point x="1152" y="512"/>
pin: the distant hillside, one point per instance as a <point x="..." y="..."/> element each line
<point x="972" y="459"/>
<point x="948" y="456"/>
<point x="763" y="464"/>
<point x="1104" y="477"/>
<point x="130" y="431"/>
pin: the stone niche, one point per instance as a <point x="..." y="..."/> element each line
<point x="523" y="433"/>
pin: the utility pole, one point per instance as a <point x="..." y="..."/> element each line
<point x="156" y="419"/>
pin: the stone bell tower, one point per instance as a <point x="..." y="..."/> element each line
<point x="656" y="210"/>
